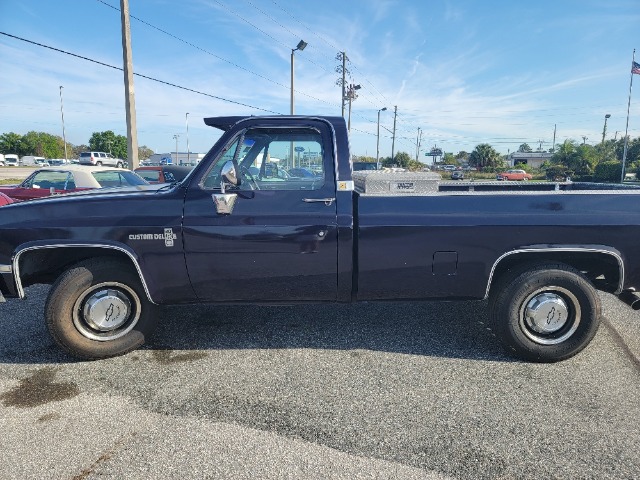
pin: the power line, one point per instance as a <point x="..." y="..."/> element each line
<point x="186" y="42"/>
<point x="140" y="75"/>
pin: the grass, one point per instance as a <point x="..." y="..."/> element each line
<point x="10" y="181"/>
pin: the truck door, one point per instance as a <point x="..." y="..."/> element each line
<point x="278" y="243"/>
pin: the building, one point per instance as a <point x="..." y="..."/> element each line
<point x="179" y="158"/>
<point x="533" y="159"/>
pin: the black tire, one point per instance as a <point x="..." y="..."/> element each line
<point x="544" y="312"/>
<point x="119" y="165"/>
<point x="79" y="319"/>
<point x="98" y="164"/>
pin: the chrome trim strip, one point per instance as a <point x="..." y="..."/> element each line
<point x="16" y="259"/>
<point x="559" y="249"/>
<point x="5" y="269"/>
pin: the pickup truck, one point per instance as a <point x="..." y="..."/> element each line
<point x="537" y="251"/>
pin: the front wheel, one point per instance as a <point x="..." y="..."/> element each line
<point x="545" y="312"/>
<point x="98" y="309"/>
<point x="119" y="165"/>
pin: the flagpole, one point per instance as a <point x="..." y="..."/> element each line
<point x="626" y="130"/>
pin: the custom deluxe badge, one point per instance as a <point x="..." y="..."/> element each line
<point x="168" y="236"/>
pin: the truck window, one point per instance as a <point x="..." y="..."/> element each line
<point x="275" y="159"/>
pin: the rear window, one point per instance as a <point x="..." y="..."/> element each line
<point x="85" y="154"/>
<point x="115" y="178"/>
<point x="149" y="175"/>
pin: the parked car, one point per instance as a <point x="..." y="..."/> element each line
<point x="4" y="200"/>
<point x="163" y="173"/>
<point x="70" y="178"/>
<point x="457" y="175"/>
<point x="301" y="173"/>
<point x="514" y="175"/>
<point x="100" y="159"/>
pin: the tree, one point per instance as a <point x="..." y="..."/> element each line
<point x="485" y="156"/>
<point x="462" y="156"/>
<point x="525" y="148"/>
<point x="449" y="159"/>
<point x="144" y="152"/>
<point x="10" y="142"/>
<point x="108" y="141"/>
<point x="41" y="144"/>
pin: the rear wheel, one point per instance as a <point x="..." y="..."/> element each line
<point x="119" y="165"/>
<point x="98" y="309"/>
<point x="98" y="164"/>
<point x="545" y="312"/>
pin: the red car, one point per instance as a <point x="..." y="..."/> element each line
<point x="4" y="200"/>
<point x="69" y="178"/>
<point x="514" y="175"/>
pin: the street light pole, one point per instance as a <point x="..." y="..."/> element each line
<point x="64" y="136"/>
<point x="176" y="136"/>
<point x="393" y="140"/>
<point x="301" y="46"/>
<point x="383" y="109"/>
<point x="188" y="151"/>
<point x="604" y="130"/>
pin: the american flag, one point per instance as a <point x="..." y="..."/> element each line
<point x="635" y="68"/>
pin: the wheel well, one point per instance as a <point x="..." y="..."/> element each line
<point x="602" y="269"/>
<point x="45" y="265"/>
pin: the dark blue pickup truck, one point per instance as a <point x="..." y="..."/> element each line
<point x="243" y="227"/>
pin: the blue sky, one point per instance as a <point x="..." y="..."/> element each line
<point x="464" y="72"/>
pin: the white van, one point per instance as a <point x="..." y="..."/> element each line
<point x="30" y="160"/>
<point x="11" y="160"/>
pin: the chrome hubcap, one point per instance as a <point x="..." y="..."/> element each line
<point x="106" y="311"/>
<point x="546" y="313"/>
<point x="550" y="315"/>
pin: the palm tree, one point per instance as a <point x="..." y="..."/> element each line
<point x="484" y="155"/>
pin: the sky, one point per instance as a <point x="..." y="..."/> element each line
<point x="460" y="72"/>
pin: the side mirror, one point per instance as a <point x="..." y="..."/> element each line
<point x="229" y="176"/>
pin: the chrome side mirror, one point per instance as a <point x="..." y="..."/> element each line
<point x="229" y="176"/>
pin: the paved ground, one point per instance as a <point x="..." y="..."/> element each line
<point x="15" y="172"/>
<point x="369" y="391"/>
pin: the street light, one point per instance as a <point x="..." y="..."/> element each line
<point x="604" y="130"/>
<point x="301" y="46"/>
<point x="351" y="93"/>
<point x="383" y="109"/>
<point x="176" y="137"/>
<point x="64" y="136"/>
<point x="188" y="152"/>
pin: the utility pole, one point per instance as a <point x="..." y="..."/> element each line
<point x="64" y="136"/>
<point x="553" y="147"/>
<point x="393" y="140"/>
<point x="351" y="95"/>
<point x="383" y="109"/>
<point x="418" y="141"/>
<point x="604" y="130"/>
<point x="130" y="97"/>
<point x="188" y="151"/>
<point x="584" y="139"/>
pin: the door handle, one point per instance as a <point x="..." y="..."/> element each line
<point x="326" y="201"/>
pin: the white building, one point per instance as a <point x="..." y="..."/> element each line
<point x="533" y="159"/>
<point x="179" y="158"/>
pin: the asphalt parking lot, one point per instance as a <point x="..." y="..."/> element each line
<point x="358" y="391"/>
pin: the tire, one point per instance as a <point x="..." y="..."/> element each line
<point x="98" y="164"/>
<point x="544" y="312"/>
<point x="119" y="165"/>
<point x="82" y="300"/>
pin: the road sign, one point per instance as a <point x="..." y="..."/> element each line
<point x="299" y="149"/>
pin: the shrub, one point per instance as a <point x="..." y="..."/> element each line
<point x="608" y="172"/>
